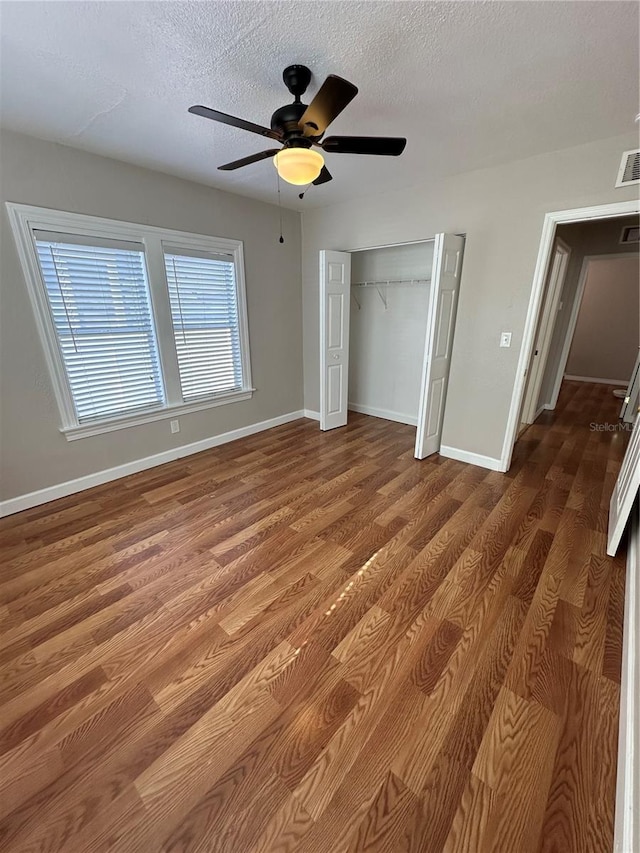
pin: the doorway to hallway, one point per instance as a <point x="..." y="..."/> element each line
<point x="608" y="220"/>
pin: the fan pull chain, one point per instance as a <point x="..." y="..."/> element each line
<point x="306" y="189"/>
<point x="281" y="240"/>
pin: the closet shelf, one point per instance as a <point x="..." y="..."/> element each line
<point x="391" y="281"/>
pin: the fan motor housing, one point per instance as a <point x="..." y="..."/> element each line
<point x="285" y="120"/>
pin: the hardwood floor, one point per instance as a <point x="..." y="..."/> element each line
<point x="312" y="642"/>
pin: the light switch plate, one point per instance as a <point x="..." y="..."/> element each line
<point x="505" y="339"/>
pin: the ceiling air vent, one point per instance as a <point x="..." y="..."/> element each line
<point x="630" y="234"/>
<point x="629" y="172"/>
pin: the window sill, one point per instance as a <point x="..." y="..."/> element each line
<point x="98" y="427"/>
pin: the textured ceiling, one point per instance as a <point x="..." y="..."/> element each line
<point x="470" y="84"/>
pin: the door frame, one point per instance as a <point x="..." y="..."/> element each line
<point x="549" y="226"/>
<point x="544" y="337"/>
<point x="573" y="319"/>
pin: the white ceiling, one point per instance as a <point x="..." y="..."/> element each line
<point x="469" y="84"/>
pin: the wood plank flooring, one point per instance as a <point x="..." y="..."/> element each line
<point x="312" y="642"/>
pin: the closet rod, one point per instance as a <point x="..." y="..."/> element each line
<point x="391" y="281"/>
<point x="393" y="245"/>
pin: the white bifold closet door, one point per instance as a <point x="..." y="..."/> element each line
<point x="443" y="305"/>
<point x="335" y="295"/>
<point x="335" y="285"/>
<point x="625" y="490"/>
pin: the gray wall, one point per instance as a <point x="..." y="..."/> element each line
<point x="607" y="335"/>
<point x="584" y="238"/>
<point x="33" y="453"/>
<point x="501" y="211"/>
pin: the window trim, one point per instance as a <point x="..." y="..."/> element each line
<point x="25" y="219"/>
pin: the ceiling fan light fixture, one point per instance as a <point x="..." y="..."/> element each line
<point x="298" y="166"/>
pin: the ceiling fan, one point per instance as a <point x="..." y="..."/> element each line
<point x="299" y="128"/>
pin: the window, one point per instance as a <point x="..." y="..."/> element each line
<point x="101" y="312"/>
<point x="202" y="291"/>
<point x="138" y="323"/>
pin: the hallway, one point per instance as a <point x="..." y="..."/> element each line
<point x="306" y="641"/>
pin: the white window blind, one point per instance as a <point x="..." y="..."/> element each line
<point x="99" y="301"/>
<point x="204" y="311"/>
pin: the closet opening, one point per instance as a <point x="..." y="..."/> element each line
<point x="387" y="318"/>
<point x="388" y="325"/>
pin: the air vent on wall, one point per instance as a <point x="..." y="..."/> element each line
<point x="629" y="171"/>
<point x="630" y="234"/>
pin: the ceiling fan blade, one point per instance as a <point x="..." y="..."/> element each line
<point x="215" y="115"/>
<point x="246" y="161"/>
<point x="390" y="146"/>
<point x="331" y="98"/>
<point x="324" y="177"/>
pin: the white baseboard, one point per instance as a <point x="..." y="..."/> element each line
<point x="70" y="487"/>
<point x="387" y="414"/>
<point x="309" y="413"/>
<point x="543" y="408"/>
<point x="600" y="381"/>
<point x="627" y="817"/>
<point x="471" y="458"/>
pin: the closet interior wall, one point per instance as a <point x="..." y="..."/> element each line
<point x="389" y="305"/>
